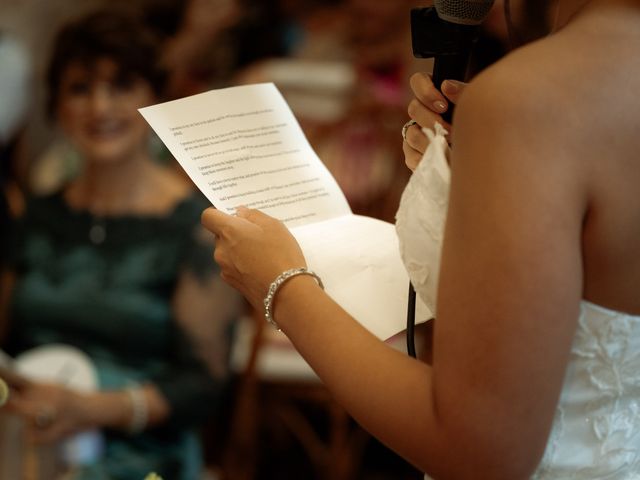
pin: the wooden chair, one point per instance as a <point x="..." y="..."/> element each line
<point x="275" y="385"/>
<point x="22" y="461"/>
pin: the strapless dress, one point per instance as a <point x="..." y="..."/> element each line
<point x="596" y="429"/>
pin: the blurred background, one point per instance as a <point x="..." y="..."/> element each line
<point x="343" y="66"/>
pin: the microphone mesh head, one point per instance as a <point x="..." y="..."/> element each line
<point x="463" y="12"/>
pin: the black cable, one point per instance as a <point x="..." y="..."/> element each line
<point x="411" y="322"/>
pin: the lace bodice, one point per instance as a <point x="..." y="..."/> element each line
<point x="596" y="430"/>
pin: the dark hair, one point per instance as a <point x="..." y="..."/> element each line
<point x="116" y="35"/>
<point x="533" y="25"/>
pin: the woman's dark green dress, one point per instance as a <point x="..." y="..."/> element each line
<point x="105" y="286"/>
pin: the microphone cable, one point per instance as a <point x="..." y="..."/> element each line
<point x="411" y="322"/>
<point x="447" y="32"/>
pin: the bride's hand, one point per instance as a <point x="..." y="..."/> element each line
<point x="425" y="109"/>
<point x="252" y="249"/>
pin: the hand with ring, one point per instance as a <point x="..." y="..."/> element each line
<point x="44" y="417"/>
<point x="425" y="109"/>
<point x="51" y="412"/>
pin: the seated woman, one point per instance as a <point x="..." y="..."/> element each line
<point x="115" y="265"/>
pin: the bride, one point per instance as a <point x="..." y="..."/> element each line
<point x="536" y="348"/>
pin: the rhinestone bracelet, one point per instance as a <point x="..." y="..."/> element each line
<point x="277" y="283"/>
<point x="139" y="410"/>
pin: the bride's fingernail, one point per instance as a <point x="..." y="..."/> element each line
<point x="439" y="105"/>
<point x="240" y="211"/>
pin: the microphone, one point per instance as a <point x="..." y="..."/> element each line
<point x="448" y="32"/>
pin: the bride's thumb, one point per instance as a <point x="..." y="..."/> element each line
<point x="254" y="216"/>
<point x="452" y="89"/>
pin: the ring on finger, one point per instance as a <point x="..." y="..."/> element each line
<point x="45" y="417"/>
<point x="406" y="127"/>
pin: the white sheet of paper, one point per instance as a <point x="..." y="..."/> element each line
<point x="243" y="146"/>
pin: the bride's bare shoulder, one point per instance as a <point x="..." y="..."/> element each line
<point x="573" y="83"/>
<point x="589" y="67"/>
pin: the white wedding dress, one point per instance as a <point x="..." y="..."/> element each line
<point x="596" y="430"/>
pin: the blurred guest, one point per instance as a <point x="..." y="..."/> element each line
<point x="34" y="23"/>
<point x="360" y="149"/>
<point x="14" y="103"/>
<point x="214" y="39"/>
<point x="346" y="84"/>
<point x="200" y="54"/>
<point x="115" y="264"/>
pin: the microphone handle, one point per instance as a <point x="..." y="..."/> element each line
<point x="411" y="321"/>
<point x="445" y="67"/>
<point x="449" y="67"/>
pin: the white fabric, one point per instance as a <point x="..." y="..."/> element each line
<point x="69" y="366"/>
<point x="421" y="215"/>
<point x="596" y="430"/>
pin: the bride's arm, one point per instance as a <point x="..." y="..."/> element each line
<point x="511" y="270"/>
<point x="508" y="299"/>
